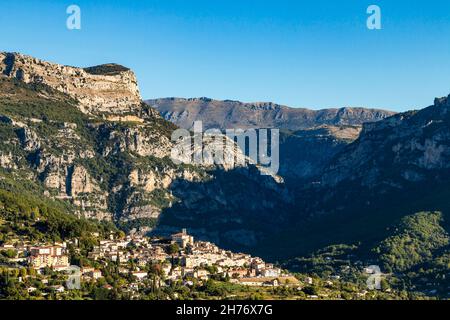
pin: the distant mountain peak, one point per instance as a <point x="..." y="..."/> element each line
<point x="442" y="102"/>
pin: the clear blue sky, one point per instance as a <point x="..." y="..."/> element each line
<point x="315" y="53"/>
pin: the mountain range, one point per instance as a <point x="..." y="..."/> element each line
<point x="84" y="140"/>
<point x="238" y="115"/>
<point x="351" y="178"/>
<point x="309" y="138"/>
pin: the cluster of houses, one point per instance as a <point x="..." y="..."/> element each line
<point x="39" y="257"/>
<point x="54" y="257"/>
<point x="190" y="260"/>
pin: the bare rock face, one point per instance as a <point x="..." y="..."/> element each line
<point x="87" y="195"/>
<point x="216" y="150"/>
<point x="144" y="183"/>
<point x="97" y="90"/>
<point x="81" y="182"/>
<point x="7" y="160"/>
<point x="29" y="139"/>
<point x="407" y="147"/>
<point x="140" y="139"/>
<point x="145" y="180"/>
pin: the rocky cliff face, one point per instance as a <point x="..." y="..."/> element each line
<point x="108" y="88"/>
<point x="83" y="136"/>
<point x="408" y="147"/>
<point x="308" y="139"/>
<point x="234" y="114"/>
<point x="402" y="162"/>
<point x="396" y="167"/>
<point x="306" y="153"/>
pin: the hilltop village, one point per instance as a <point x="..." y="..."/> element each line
<point x="144" y="263"/>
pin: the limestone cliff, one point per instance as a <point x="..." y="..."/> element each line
<point x="97" y="89"/>
<point x="409" y="147"/>
<point x="83" y="136"/>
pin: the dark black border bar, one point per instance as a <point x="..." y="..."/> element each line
<point x="219" y="309"/>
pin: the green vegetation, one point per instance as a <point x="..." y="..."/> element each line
<point x="40" y="124"/>
<point x="30" y="216"/>
<point x="415" y="241"/>
<point x="32" y="101"/>
<point x="109" y="69"/>
<point x="328" y="262"/>
<point x="136" y="224"/>
<point x="414" y="256"/>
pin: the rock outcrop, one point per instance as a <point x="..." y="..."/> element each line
<point x="407" y="147"/>
<point x="97" y="89"/>
<point x="306" y="153"/>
